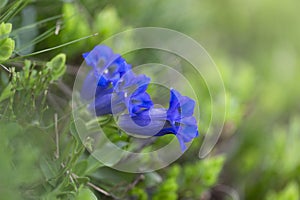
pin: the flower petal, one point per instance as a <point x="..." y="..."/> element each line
<point x="180" y="106"/>
<point x="98" y="54"/>
<point x="148" y="123"/>
<point x="102" y="105"/>
<point x="139" y="103"/>
<point x="89" y="87"/>
<point x="181" y="143"/>
<point x="188" y="129"/>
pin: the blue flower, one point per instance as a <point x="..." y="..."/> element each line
<point x="128" y="94"/>
<point x="131" y="90"/>
<point x="116" y="87"/>
<point x="107" y="65"/>
<point x="112" y="88"/>
<point x="107" y="69"/>
<point x="177" y="120"/>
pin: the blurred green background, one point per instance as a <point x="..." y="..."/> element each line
<point x="255" y="45"/>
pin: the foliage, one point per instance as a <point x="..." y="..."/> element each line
<point x="168" y="189"/>
<point x="180" y="181"/>
<point x="28" y="84"/>
<point x="6" y="44"/>
<point x="255" y="46"/>
<point x="291" y="191"/>
<point x="19" y="155"/>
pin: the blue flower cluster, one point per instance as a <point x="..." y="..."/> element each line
<point x="120" y="91"/>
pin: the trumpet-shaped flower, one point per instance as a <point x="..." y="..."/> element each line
<point x="111" y="87"/>
<point x="178" y="119"/>
<point x="107" y="69"/>
<point x="117" y="88"/>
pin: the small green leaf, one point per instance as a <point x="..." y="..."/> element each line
<point x="85" y="194"/>
<point x="6" y="48"/>
<point x="27" y="65"/>
<point x="7" y="92"/>
<point x="5" y="29"/>
<point x="80" y="167"/>
<point x="57" y="66"/>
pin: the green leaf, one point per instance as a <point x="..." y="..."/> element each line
<point x="93" y="165"/>
<point x="113" y="177"/>
<point x="27" y="65"/>
<point x="7" y="92"/>
<point x="6" y="48"/>
<point x="50" y="170"/>
<point x="85" y="194"/>
<point x="80" y="167"/>
<point x="82" y="180"/>
<point x="57" y="65"/>
<point x="77" y="127"/>
<point x="5" y="29"/>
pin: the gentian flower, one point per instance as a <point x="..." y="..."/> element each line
<point x="116" y="87"/>
<point x="107" y="65"/>
<point x="178" y="119"/>
<point x="131" y="91"/>
<point x="112" y="88"/>
<point x="107" y="69"/>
